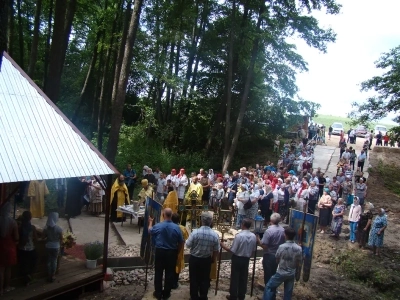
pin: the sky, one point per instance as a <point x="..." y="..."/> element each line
<point x="365" y="29"/>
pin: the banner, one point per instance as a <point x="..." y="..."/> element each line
<point x="308" y="236"/>
<point x="153" y="209"/>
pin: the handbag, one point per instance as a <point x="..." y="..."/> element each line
<point x="248" y="204"/>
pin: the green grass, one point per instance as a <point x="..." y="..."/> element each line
<point x="327" y="120"/>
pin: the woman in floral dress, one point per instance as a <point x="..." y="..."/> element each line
<point x="337" y="221"/>
<point x="377" y="231"/>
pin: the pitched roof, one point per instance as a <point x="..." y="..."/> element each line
<point x="37" y="141"/>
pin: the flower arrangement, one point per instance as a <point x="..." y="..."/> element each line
<point x="68" y="240"/>
<point x="94" y="250"/>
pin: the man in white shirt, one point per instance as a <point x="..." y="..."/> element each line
<point x="172" y="177"/>
<point x="346" y="155"/>
<point x="161" y="187"/>
<point x="243" y="247"/>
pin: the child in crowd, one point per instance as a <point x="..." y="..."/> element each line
<point x="54" y="236"/>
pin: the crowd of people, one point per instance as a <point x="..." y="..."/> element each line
<point x="271" y="189"/>
<point x="17" y="246"/>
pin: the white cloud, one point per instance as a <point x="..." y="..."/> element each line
<point x="365" y="29"/>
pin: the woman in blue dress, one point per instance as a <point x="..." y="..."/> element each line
<point x="377" y="231"/>
<point x="337" y="220"/>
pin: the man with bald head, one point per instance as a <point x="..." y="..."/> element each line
<point x="168" y="241"/>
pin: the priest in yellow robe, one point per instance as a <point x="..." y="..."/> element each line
<point x="37" y="191"/>
<point x="146" y="191"/>
<point x="194" y="186"/>
<point x="170" y="202"/>
<point x="119" y="197"/>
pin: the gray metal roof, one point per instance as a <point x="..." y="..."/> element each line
<point x="37" y="141"/>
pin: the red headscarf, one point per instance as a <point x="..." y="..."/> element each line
<point x="303" y="187"/>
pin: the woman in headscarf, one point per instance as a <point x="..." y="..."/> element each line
<point x="313" y="192"/>
<point x="279" y="195"/>
<point x="283" y="204"/>
<point x="324" y="206"/>
<point x="337" y="220"/>
<point x="8" y="250"/>
<point x="354" y="217"/>
<point x="377" y="232"/>
<point x="26" y="247"/>
<point x="301" y="195"/>
<point x="54" y="235"/>
<point x="364" y="225"/>
<point x="361" y="191"/>
<point x="96" y="197"/>
<point x="254" y="196"/>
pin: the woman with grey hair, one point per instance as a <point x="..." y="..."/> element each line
<point x="377" y="231"/>
<point x="364" y="225"/>
<point x="337" y="220"/>
<point x="254" y="196"/>
<point x="361" y="191"/>
<point x="8" y="247"/>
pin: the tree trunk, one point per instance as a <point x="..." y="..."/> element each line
<point x="244" y="100"/>
<point x="229" y="85"/>
<point x="88" y="85"/>
<point x="119" y="101"/>
<point x="3" y="28"/>
<point x="20" y="35"/>
<point x="121" y="52"/>
<point x="47" y="49"/>
<point x="63" y="16"/>
<point x="104" y="90"/>
<point x="8" y="30"/>
<point x="35" y="40"/>
<point x="192" y="53"/>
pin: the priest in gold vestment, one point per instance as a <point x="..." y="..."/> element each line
<point x="37" y="191"/>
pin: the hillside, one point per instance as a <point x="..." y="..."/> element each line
<point x="329" y="119"/>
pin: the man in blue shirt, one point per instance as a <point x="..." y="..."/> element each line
<point x="168" y="240"/>
<point x="130" y="179"/>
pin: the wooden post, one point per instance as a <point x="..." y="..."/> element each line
<point x="107" y="223"/>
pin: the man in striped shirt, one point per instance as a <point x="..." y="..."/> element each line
<point x="204" y="246"/>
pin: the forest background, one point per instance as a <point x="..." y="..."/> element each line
<point x="169" y="83"/>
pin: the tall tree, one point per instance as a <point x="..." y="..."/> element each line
<point x="35" y="39"/>
<point x="244" y="99"/>
<point x="387" y="88"/>
<point x="20" y="34"/>
<point x="63" y="16"/>
<point x="3" y="27"/>
<point x="119" y="96"/>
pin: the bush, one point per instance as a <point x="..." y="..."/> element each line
<point x="135" y="148"/>
<point x="94" y="251"/>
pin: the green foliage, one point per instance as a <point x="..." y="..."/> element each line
<point x="357" y="266"/>
<point x="94" y="250"/>
<point x="390" y="177"/>
<point x="387" y="88"/>
<point x="139" y="150"/>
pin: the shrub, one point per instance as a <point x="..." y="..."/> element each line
<point x="94" y="251"/>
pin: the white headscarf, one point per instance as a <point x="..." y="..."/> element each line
<point x="5" y="219"/>
<point x="52" y="219"/>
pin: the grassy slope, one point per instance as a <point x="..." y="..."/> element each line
<point x="327" y="120"/>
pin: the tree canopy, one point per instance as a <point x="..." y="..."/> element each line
<point x="201" y="77"/>
<point x="387" y="88"/>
